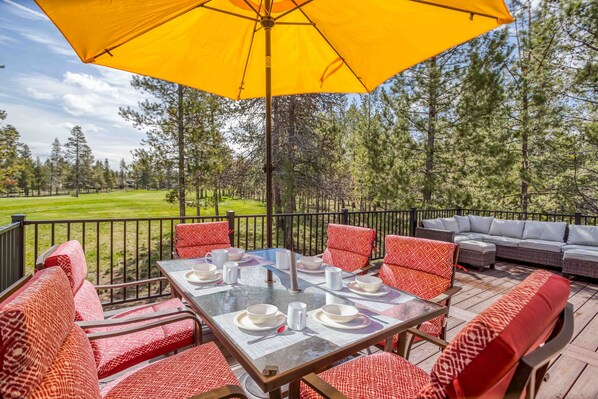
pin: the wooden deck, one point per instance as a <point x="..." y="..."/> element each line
<point x="573" y="375"/>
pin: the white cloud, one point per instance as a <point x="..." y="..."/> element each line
<point x="57" y="46"/>
<point x="7" y="39"/>
<point x="39" y="95"/>
<point x="25" y="12"/>
<point x="78" y="104"/>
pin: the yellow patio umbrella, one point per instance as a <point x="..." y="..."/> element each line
<point x="258" y="48"/>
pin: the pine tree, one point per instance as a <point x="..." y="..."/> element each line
<point x="10" y="168"/>
<point x="79" y="155"/>
<point x="58" y="166"/>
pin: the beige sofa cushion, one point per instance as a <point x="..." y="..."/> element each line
<point x="480" y="224"/>
<point x="507" y="228"/>
<point x="450" y="224"/>
<point x="582" y="235"/>
<point x="433" y="224"/>
<point x="543" y="245"/>
<point x="548" y="231"/>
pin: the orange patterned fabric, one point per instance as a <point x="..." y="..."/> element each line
<point x="382" y="375"/>
<point x="348" y="247"/>
<point x="491" y="344"/>
<point x="33" y="325"/>
<point x="71" y="258"/>
<point x="422" y="284"/>
<point x="430" y="256"/>
<point x="189" y="373"/>
<point x="72" y="374"/>
<point x="118" y="353"/>
<point x="87" y="303"/>
<point x="194" y="240"/>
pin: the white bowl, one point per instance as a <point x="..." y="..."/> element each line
<point x="340" y="313"/>
<point x="235" y="254"/>
<point x="262" y="313"/>
<point x="204" y="271"/>
<point x="369" y="283"/>
<point x="311" y="262"/>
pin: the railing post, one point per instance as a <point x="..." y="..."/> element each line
<point x="577" y="218"/>
<point x="345" y="216"/>
<point x="20" y="218"/>
<point x="412" y="221"/>
<point x="459" y="211"/>
<point x="230" y="215"/>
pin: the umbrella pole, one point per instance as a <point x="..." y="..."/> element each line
<point x="267" y="24"/>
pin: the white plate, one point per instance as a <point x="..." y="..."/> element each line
<point x="302" y="269"/>
<point x="361" y="321"/>
<point x="354" y="287"/>
<point x="242" y="321"/>
<point x="245" y="258"/>
<point x="192" y="278"/>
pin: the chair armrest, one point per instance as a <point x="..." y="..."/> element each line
<point x="159" y="319"/>
<point x="130" y="283"/>
<point x="223" y="392"/>
<point x="427" y="337"/>
<point x="320" y="255"/>
<point x="435" y="234"/>
<point x="322" y="387"/>
<point x="446" y="294"/>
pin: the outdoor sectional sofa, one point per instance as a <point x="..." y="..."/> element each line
<point x="571" y="247"/>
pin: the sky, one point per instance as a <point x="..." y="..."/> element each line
<point x="46" y="89"/>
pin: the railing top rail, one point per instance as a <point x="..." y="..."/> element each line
<point x="8" y="227"/>
<point x="124" y="219"/>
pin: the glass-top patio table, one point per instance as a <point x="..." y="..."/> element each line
<point x="272" y="359"/>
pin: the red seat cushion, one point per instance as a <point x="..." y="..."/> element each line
<point x="189" y="373"/>
<point x="194" y="240"/>
<point x="381" y="375"/>
<point x="348" y="247"/>
<point x="73" y="372"/>
<point x="118" y="353"/>
<point x="34" y="322"/>
<point x="71" y="258"/>
<point x="481" y="360"/>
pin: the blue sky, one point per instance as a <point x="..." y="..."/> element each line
<point x="46" y="89"/>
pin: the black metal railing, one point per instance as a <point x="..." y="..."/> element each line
<point x="126" y="249"/>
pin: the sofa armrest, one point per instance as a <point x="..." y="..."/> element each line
<point x="223" y="392"/>
<point x="322" y="387"/>
<point x="435" y="234"/>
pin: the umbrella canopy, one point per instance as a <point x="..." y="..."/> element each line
<point x="258" y="48"/>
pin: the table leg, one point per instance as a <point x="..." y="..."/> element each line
<point x="294" y="388"/>
<point x="275" y="394"/>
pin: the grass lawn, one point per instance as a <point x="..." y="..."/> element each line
<point x="117" y="204"/>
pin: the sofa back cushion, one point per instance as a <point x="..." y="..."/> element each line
<point x="433" y="224"/>
<point x="450" y="224"/>
<point x="480" y="224"/>
<point x="481" y="360"/>
<point x="69" y="256"/>
<point x="507" y="228"/>
<point x="547" y="231"/>
<point x="34" y="322"/>
<point x="582" y="235"/>
<point x="348" y="247"/>
<point x="463" y="222"/>
<point x="197" y="239"/>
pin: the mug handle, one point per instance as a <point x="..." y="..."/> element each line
<point x="206" y="257"/>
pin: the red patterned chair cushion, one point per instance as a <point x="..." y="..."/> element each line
<point x="73" y="372"/>
<point x="71" y="258"/>
<point x="348" y="247"/>
<point x="422" y="284"/>
<point x="87" y="303"/>
<point x="118" y="353"/>
<point x="430" y="256"/>
<point x="34" y="322"/>
<point x="194" y="240"/>
<point x="492" y="343"/>
<point x="189" y="373"/>
<point x="382" y="375"/>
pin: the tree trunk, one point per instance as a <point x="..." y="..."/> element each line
<point x="216" y="199"/>
<point x="181" y="145"/>
<point x="197" y="201"/>
<point x="77" y="168"/>
<point x="431" y="133"/>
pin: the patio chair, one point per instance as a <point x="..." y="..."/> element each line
<point x="349" y="247"/>
<point x="194" y="240"/>
<point x="114" y="354"/>
<point x="44" y="354"/>
<point x="425" y="268"/>
<point x="503" y="352"/>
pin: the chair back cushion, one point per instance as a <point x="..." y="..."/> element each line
<point x="71" y="258"/>
<point x="481" y="360"/>
<point x="34" y="322"/>
<point x="348" y="247"/>
<point x="429" y="256"/>
<point x="197" y="239"/>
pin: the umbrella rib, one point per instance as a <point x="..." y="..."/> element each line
<point x="293" y="9"/>
<point x="428" y="3"/>
<point x="144" y="31"/>
<point x="248" y="55"/>
<point x="331" y="46"/>
<point x="229" y="13"/>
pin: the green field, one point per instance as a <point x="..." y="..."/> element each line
<point x="117" y="204"/>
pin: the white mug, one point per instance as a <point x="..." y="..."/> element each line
<point x="334" y="278"/>
<point x="283" y="259"/>
<point x="218" y="257"/>
<point x="230" y="272"/>
<point x="297" y="315"/>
